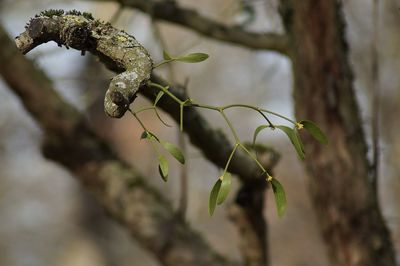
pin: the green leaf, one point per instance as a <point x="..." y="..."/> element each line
<point x="192" y="58"/>
<point x="225" y="188"/>
<point x="166" y="55"/>
<point x="257" y="131"/>
<point x="174" y="151"/>
<point x="280" y="197"/>
<point x="163" y="167"/>
<point x="315" y="131"/>
<point x="212" y="202"/>
<point x="158" y="97"/>
<point x="294" y="139"/>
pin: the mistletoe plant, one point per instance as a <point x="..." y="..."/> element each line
<point x="122" y="53"/>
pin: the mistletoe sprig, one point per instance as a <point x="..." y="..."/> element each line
<point x="121" y="52"/>
<point x="222" y="186"/>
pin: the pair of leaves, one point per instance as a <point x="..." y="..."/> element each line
<point x="163" y="166"/>
<point x="219" y="191"/>
<point x="189" y="58"/>
<point x="294" y="136"/>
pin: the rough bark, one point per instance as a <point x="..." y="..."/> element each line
<point x="350" y="219"/>
<point x="120" y="189"/>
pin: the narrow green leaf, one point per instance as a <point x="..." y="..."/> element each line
<point x="174" y="151"/>
<point x="294" y="139"/>
<point x="192" y="58"/>
<point x="212" y="202"/>
<point x="315" y="131"/>
<point x="280" y="197"/>
<point x="257" y="131"/>
<point x="166" y="55"/>
<point x="158" y="97"/>
<point x="225" y="188"/>
<point x="163" y="167"/>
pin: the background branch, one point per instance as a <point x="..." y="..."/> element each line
<point x="170" y="11"/>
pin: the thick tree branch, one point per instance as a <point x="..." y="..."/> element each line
<point x="350" y="218"/>
<point x="188" y="18"/>
<point x="119" y="188"/>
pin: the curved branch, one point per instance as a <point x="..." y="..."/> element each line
<point x="121" y="190"/>
<point x="170" y="11"/>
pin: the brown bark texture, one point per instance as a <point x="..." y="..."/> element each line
<point x="340" y="188"/>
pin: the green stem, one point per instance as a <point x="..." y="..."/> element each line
<point x="278" y="115"/>
<point x="230" y="158"/>
<point x="181" y="117"/>
<point x="138" y="119"/>
<point x="237" y="140"/>
<point x="258" y="109"/>
<point x="205" y="106"/>
<point x="158" y="86"/>
<point x="253" y="157"/>
<point x="163" y="63"/>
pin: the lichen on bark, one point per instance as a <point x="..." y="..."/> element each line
<point x="116" y="48"/>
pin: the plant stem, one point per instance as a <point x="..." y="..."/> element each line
<point x="163" y="63"/>
<point x="181" y="117"/>
<point x="205" y="106"/>
<point x="138" y="119"/>
<point x="230" y="126"/>
<point x="158" y="86"/>
<point x="230" y="158"/>
<point x="253" y="157"/>
<point x="278" y="115"/>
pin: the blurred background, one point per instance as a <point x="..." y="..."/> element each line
<point x="48" y="219"/>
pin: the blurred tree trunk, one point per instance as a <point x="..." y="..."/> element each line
<point x="348" y="212"/>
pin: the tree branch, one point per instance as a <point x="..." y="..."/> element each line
<point x="120" y="189"/>
<point x="170" y="11"/>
